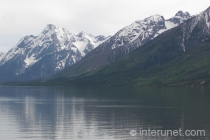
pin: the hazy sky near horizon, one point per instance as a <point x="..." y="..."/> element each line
<point x="19" y="18"/>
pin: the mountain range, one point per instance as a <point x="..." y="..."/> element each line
<point x="37" y="57"/>
<point x="153" y="51"/>
<point x="177" y="57"/>
<point x="125" y="41"/>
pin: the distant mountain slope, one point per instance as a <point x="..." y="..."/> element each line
<point x="125" y="41"/>
<point x="179" y="56"/>
<point x="1" y="55"/>
<point x="42" y="56"/>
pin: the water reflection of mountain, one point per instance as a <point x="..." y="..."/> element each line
<point x="58" y="113"/>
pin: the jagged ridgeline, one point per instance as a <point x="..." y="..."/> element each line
<point x="179" y="56"/>
<point x="37" y="57"/>
<point x="125" y="41"/>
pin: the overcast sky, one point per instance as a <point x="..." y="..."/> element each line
<point x="98" y="17"/>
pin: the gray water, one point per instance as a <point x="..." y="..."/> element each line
<point x="59" y="113"/>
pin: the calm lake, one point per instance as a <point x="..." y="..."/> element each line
<point x="61" y="113"/>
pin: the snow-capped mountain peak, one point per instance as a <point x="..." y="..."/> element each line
<point x="53" y="29"/>
<point x="83" y="34"/>
<point x="141" y="31"/>
<point x="54" y="44"/>
<point x="187" y="14"/>
<point x="86" y="42"/>
<point x="154" y="19"/>
<point x="138" y="28"/>
<point x="179" y="18"/>
<point x="182" y="14"/>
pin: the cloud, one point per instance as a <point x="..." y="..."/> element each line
<point x="106" y="17"/>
